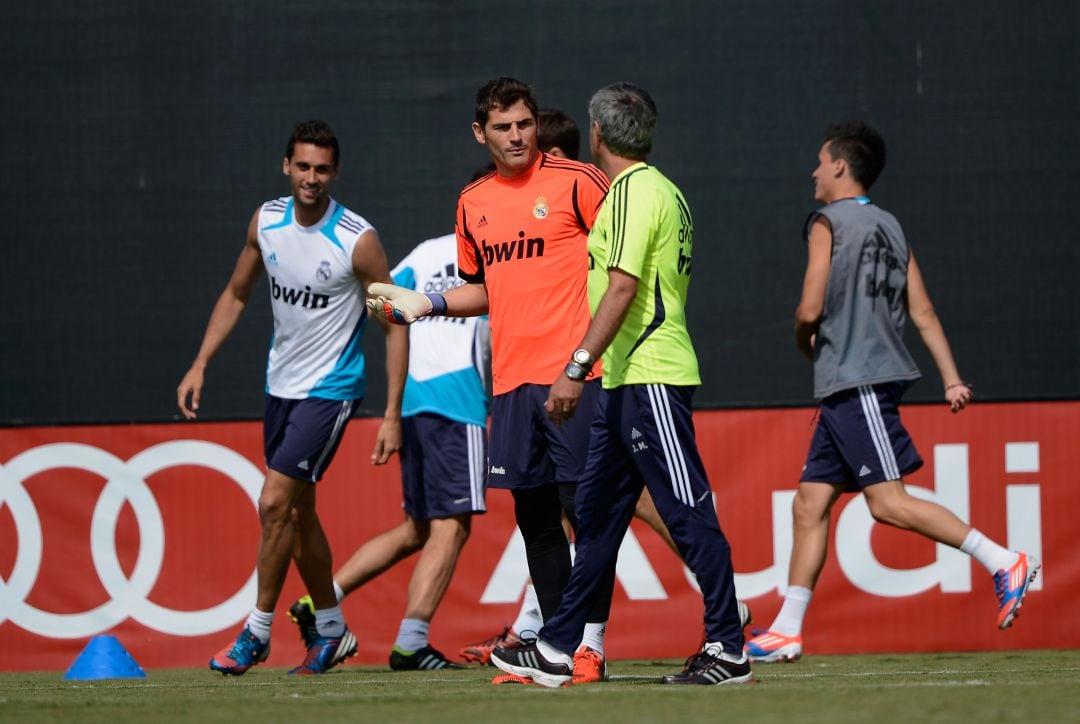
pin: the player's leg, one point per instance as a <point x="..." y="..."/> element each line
<point x="606" y="497"/>
<point x="307" y="448"/>
<point x="657" y="428"/>
<point x="430" y="579"/>
<point x="538" y="512"/>
<point x="312" y="551"/>
<point x="448" y="491"/>
<point x="381" y="553"/>
<point x="570" y="445"/>
<point x="252" y="645"/>
<point x="646" y="512"/>
<point x="386" y="549"/>
<point x="374" y="557"/>
<point x="519" y="460"/>
<point x="782" y="640"/>
<point x="890" y="503"/>
<point x="435" y="566"/>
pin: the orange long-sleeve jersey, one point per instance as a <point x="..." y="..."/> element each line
<point x="525" y="238"/>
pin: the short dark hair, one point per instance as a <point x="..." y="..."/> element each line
<point x="861" y="146"/>
<point x="626" y="115"/>
<point x="558" y="129"/>
<point x="500" y="94"/>
<point x="314" y="132"/>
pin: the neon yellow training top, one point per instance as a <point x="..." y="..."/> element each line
<point x="645" y="229"/>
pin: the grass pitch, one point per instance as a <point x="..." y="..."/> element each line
<point x="1028" y="686"/>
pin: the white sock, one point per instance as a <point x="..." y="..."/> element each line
<point x="554" y="655"/>
<point x="529" y="618"/>
<point x="338" y="592"/>
<point x="594" y="636"/>
<point x="789" y="621"/>
<point x="330" y="621"/>
<point x="412" y="634"/>
<point x="258" y="622"/>
<point x="993" y="557"/>
<point x="716" y="649"/>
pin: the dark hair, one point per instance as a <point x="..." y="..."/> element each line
<point x="500" y="94"/>
<point x="626" y="115"/>
<point x="558" y="129"/>
<point x="314" y="132"/>
<point x="861" y="146"/>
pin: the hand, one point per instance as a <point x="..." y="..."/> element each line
<point x="397" y="305"/>
<point x="958" y="396"/>
<point x="192" y="385"/>
<point x="387" y="441"/>
<point x="563" y="399"/>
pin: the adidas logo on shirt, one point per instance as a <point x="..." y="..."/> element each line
<point x="864" y="471"/>
<point x="443" y="280"/>
<point x="634" y="434"/>
<point x="303" y="465"/>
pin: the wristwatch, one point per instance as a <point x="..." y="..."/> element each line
<point x="580" y="364"/>
<point x="576" y="372"/>
<point x="584" y="358"/>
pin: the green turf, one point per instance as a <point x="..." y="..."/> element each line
<point x="1035" y="686"/>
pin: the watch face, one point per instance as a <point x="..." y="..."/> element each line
<point x="576" y="372"/>
<point x="582" y="357"/>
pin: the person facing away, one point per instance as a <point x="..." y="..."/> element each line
<point x="861" y="284"/>
<point x="522" y="233"/>
<point x="444" y="414"/>
<point x="319" y="256"/>
<point x="641" y="432"/>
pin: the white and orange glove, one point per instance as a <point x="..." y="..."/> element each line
<point x="399" y="305"/>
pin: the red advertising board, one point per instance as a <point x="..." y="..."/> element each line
<point x="149" y="533"/>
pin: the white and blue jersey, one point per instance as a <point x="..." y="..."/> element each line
<point x="318" y="303"/>
<point x="448" y="356"/>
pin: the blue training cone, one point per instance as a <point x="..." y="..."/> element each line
<point x="104" y="658"/>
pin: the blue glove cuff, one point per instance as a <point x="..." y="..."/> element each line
<point x="438" y="303"/>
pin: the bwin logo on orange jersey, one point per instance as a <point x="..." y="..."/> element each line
<point x="519" y="248"/>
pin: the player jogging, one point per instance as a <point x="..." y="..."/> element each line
<point x="861" y="284"/>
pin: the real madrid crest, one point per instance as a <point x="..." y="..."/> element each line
<point x="540" y="208"/>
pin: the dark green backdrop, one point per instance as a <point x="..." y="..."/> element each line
<point x="141" y="136"/>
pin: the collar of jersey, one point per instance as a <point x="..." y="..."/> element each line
<point x="629" y="170"/>
<point x="522" y="178"/>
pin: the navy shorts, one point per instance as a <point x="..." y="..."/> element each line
<point x="525" y="449"/>
<point x="442" y="467"/>
<point x="300" y="437"/>
<point x="860" y="440"/>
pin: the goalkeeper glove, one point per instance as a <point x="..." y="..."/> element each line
<point x="399" y="305"/>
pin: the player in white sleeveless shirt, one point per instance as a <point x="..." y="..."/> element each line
<point x="317" y="298"/>
<point x="320" y="257"/>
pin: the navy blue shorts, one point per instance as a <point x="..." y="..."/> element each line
<point x="442" y="467"/>
<point x="860" y="440"/>
<point x="525" y="449"/>
<point x="300" y="437"/>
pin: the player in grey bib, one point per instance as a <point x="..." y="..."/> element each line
<point x="860" y="337"/>
<point x="861" y="284"/>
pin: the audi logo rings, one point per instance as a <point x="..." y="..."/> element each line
<point x="126" y="482"/>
